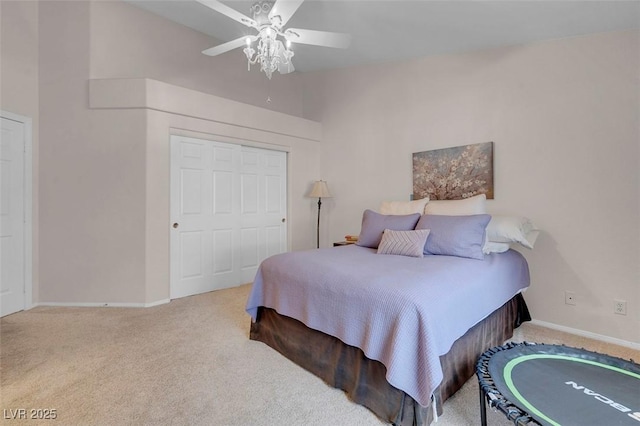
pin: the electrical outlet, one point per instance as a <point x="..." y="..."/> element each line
<point x="620" y="307"/>
<point x="569" y="298"/>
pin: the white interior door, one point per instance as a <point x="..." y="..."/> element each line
<point x="228" y="210"/>
<point x="12" y="217"/>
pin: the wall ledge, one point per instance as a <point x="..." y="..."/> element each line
<point x="144" y="93"/>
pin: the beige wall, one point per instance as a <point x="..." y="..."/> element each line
<point x="127" y="42"/>
<point x="91" y="174"/>
<point x="563" y="115"/>
<point x="19" y="87"/>
<point x="564" y="119"/>
<point x="104" y="172"/>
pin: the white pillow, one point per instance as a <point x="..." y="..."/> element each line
<point x="403" y="207"/>
<point x="494" y="247"/>
<point x="404" y="243"/>
<point x="512" y="229"/>
<point x="464" y="207"/>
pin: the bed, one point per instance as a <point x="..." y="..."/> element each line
<point x="398" y="334"/>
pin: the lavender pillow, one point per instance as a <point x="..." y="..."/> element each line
<point x="461" y="236"/>
<point x="374" y="224"/>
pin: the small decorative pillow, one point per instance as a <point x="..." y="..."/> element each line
<point x="512" y="229"/>
<point x="374" y="224"/>
<point x="466" y="206"/>
<point x="462" y="236"/>
<point x="403" y="243"/>
<point x="403" y="207"/>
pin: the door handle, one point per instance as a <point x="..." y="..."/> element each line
<point x="284" y="220"/>
<point x="175" y="225"/>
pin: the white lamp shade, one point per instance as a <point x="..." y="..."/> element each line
<point x="320" y="190"/>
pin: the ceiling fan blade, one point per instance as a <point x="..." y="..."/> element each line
<point x="318" y="38"/>
<point x="228" y="11"/>
<point x="284" y="9"/>
<point x="225" y="47"/>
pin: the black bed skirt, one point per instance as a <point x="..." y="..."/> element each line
<point x="346" y="367"/>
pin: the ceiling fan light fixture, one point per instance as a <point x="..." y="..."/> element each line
<point x="271" y="53"/>
<point x="269" y="18"/>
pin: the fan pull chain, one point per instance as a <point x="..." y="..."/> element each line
<point x="269" y="91"/>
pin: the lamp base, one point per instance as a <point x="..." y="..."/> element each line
<point x="318" y="228"/>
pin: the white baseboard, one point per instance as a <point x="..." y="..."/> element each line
<point x="588" y="334"/>
<point x="102" y="305"/>
<point x="156" y="303"/>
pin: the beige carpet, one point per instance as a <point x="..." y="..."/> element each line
<point x="189" y="362"/>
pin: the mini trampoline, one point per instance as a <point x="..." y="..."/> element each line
<point x="558" y="385"/>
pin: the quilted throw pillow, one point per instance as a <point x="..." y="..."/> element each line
<point x="403" y="243"/>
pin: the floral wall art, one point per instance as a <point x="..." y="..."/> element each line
<point x="454" y="173"/>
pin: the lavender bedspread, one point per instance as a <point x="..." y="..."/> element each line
<point x="404" y="312"/>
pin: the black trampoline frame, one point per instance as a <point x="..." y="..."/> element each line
<point x="491" y="395"/>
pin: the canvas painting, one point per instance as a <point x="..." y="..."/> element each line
<point x="454" y="173"/>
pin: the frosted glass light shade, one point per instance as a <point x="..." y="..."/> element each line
<point x="320" y="190"/>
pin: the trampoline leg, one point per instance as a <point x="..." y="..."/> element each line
<point x="483" y="408"/>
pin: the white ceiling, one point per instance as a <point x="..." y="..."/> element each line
<point x="390" y="30"/>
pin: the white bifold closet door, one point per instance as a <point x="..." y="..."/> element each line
<point x="228" y="213"/>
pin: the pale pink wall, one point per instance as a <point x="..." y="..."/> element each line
<point x="19" y="87"/>
<point x="98" y="174"/>
<point x="564" y="119"/>
<point x="563" y="115"/>
<point x="92" y="176"/>
<point x="128" y="42"/>
<point x="19" y="57"/>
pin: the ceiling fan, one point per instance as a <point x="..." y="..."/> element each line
<point x="269" y="19"/>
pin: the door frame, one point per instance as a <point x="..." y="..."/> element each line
<point x="28" y="203"/>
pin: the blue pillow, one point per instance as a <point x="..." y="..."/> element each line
<point x="374" y="224"/>
<point x="461" y="236"/>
